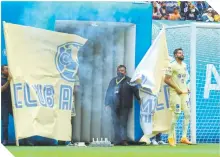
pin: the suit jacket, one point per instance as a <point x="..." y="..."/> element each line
<point x="125" y="95"/>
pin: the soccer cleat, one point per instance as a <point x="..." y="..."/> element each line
<point x="147" y="140"/>
<point x="124" y="143"/>
<point x="171" y="142"/>
<point x="185" y="140"/>
<point x="70" y="144"/>
<point x="162" y="143"/>
<point x="154" y="142"/>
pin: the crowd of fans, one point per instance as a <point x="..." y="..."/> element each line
<point x="184" y="10"/>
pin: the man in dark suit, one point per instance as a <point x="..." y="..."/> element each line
<point x="119" y="98"/>
<point x="6" y="103"/>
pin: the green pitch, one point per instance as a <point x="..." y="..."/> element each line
<point x="201" y="150"/>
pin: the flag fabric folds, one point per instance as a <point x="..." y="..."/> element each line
<point x="43" y="65"/>
<point x="149" y="76"/>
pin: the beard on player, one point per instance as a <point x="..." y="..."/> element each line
<point x="181" y="58"/>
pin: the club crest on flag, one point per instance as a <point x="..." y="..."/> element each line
<point x="66" y="60"/>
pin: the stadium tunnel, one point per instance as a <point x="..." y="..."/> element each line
<point x="109" y="45"/>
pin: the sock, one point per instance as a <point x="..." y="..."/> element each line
<point x="186" y="122"/>
<point x="175" y="117"/>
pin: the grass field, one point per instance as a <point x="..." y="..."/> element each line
<point x="201" y="150"/>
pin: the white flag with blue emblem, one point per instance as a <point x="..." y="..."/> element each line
<point x="150" y="70"/>
<point x="148" y="76"/>
<point x="43" y="65"/>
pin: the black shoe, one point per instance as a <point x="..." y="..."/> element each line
<point x="5" y="142"/>
<point x="61" y="143"/>
<point x="28" y="142"/>
<point x="124" y="143"/>
<point x="117" y="143"/>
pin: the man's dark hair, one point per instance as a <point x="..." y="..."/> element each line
<point x="2" y="67"/>
<point x="176" y="50"/>
<point x="121" y="66"/>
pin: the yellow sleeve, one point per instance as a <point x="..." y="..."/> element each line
<point x="217" y="18"/>
<point x="169" y="70"/>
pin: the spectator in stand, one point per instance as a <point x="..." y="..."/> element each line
<point x="170" y="5"/>
<point x="183" y="8"/>
<point x="192" y="13"/>
<point x="206" y="5"/>
<point x="156" y="12"/>
<point x="175" y="15"/>
<point x="189" y="5"/>
<point x="216" y="17"/>
<point x="158" y="4"/>
<point x="208" y="16"/>
<point x="200" y="5"/>
<point x="163" y="11"/>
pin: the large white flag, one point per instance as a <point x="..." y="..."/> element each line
<point x="151" y="69"/>
<point x="149" y="75"/>
<point x="43" y="65"/>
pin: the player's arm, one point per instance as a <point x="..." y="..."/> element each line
<point x="168" y="80"/>
<point x="188" y="80"/>
<point x="170" y="83"/>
